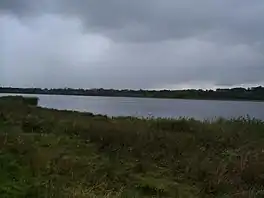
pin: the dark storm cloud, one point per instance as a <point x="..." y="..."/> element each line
<point x="156" y="20"/>
<point x="139" y="44"/>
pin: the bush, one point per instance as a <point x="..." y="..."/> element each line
<point x="20" y="99"/>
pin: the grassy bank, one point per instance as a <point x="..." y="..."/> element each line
<point x="19" y="99"/>
<point x="50" y="153"/>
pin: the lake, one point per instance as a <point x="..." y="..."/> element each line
<point x="145" y="107"/>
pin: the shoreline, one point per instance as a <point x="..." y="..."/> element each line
<point x="159" y="98"/>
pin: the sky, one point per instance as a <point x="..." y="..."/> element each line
<point x="124" y="44"/>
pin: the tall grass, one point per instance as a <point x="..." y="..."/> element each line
<point x="50" y="153"/>
<point x="20" y="99"/>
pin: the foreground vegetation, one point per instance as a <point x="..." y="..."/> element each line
<point x="50" y="153"/>
<point x="253" y="93"/>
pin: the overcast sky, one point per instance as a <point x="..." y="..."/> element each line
<point x="149" y="44"/>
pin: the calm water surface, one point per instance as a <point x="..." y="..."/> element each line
<point x="119" y="106"/>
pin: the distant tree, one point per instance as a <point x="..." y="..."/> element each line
<point x="239" y="93"/>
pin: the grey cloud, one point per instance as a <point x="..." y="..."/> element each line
<point x="131" y="44"/>
<point x="147" y="20"/>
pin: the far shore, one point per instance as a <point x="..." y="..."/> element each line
<point x="145" y="97"/>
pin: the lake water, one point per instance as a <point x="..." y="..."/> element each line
<point x="145" y="107"/>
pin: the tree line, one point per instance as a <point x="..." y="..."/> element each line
<point x="253" y="93"/>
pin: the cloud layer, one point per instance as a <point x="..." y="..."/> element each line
<point x="131" y="44"/>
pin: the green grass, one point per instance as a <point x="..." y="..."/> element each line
<point x="50" y="153"/>
<point x="20" y="99"/>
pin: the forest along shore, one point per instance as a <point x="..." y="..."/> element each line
<point x="52" y="153"/>
<point x="239" y="93"/>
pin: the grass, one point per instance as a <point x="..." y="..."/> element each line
<point x="51" y="153"/>
<point x="20" y="99"/>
